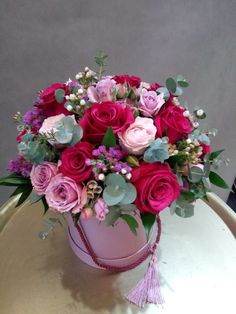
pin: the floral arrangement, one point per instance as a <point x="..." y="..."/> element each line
<point x="107" y="146"/>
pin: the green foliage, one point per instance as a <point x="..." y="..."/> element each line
<point x="217" y="180"/>
<point x="100" y="60"/>
<point x="171" y="85"/>
<point x="184" y="210"/>
<point x="157" y="151"/>
<point x="182" y="81"/>
<point x="25" y="194"/>
<point x="214" y="155"/>
<point x="109" y="139"/>
<point x="45" y="204"/>
<point x="131" y="221"/>
<point x="165" y="91"/>
<point x="113" y="215"/>
<point x="148" y="220"/>
<point x="76" y="217"/>
<point x="59" y="95"/>
<point x="14" y="179"/>
<point x="66" y="132"/>
<point x="117" y="191"/>
<point x="196" y="174"/>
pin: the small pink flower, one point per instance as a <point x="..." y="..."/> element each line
<point x="138" y="136"/>
<point x="41" y="176"/>
<point x="103" y="91"/>
<point x="150" y="103"/>
<point x="101" y="209"/>
<point x="63" y="194"/>
<point x="86" y="213"/>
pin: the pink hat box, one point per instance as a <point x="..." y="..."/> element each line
<point x="113" y="245"/>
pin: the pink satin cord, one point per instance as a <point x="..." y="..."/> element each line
<point x="89" y="249"/>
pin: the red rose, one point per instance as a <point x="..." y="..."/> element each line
<point x="157" y="187"/>
<point x="73" y="161"/>
<point x="47" y="100"/>
<point x="132" y="81"/>
<point x="99" y="117"/>
<point x="206" y="149"/>
<point x="172" y="123"/>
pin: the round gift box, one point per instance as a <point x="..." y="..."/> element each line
<point x="113" y="245"/>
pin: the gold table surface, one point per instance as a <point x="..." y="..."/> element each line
<point x="196" y="260"/>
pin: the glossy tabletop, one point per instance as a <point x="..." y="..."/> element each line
<point x="196" y="259"/>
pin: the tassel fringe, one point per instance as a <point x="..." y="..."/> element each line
<point x="148" y="288"/>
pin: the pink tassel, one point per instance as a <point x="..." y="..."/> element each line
<point x="148" y="289"/>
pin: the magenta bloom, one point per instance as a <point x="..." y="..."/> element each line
<point x="63" y="195"/>
<point x="41" y="176"/>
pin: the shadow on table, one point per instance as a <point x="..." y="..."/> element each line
<point x="90" y="288"/>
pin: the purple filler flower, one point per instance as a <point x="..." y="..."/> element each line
<point x="20" y="165"/>
<point x="34" y="118"/>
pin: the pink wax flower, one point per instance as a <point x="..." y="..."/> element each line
<point x="150" y="103"/>
<point x="63" y="194"/>
<point x="138" y="136"/>
<point x="41" y="176"/>
<point x="103" y="91"/>
<point x="101" y="209"/>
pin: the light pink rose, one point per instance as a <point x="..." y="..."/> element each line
<point x="49" y="124"/>
<point x="138" y="136"/>
<point x="63" y="194"/>
<point x="103" y="91"/>
<point x="150" y="103"/>
<point x="41" y="176"/>
<point x="101" y="209"/>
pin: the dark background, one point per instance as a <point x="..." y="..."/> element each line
<point x="50" y="40"/>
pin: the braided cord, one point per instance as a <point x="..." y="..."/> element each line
<point x="95" y="259"/>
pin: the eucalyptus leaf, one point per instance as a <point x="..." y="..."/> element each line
<point x="63" y="137"/>
<point x="59" y="95"/>
<point x="186" y="211"/>
<point x="113" y="195"/>
<point x="165" y="91"/>
<point x="128" y="207"/>
<point x="171" y="85"/>
<point x="130" y="194"/>
<point x="196" y="174"/>
<point x="178" y="91"/>
<point x="77" y="135"/>
<point x="115" y="180"/>
<point x="157" y="151"/>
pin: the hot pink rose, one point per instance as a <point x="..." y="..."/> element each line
<point x="63" y="194"/>
<point x="48" y="103"/>
<point x="138" y="136"/>
<point x="41" y="176"/>
<point x="150" y="103"/>
<point x="99" y="117"/>
<point x="101" y="209"/>
<point x="172" y="123"/>
<point x="132" y="81"/>
<point x="73" y="161"/>
<point x="103" y="91"/>
<point x="157" y="187"/>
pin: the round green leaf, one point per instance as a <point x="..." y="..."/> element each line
<point x="130" y="194"/>
<point x="171" y="85"/>
<point x="115" y="180"/>
<point x="196" y="174"/>
<point x="59" y="95"/>
<point x="113" y="195"/>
